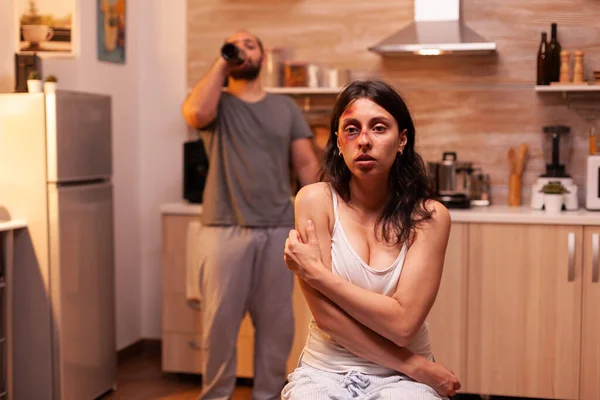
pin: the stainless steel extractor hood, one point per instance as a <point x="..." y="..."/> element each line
<point x="437" y="29"/>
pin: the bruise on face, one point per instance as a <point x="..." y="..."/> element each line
<point x="370" y="117"/>
<point x="363" y="117"/>
<point x="346" y="119"/>
<point x="349" y="110"/>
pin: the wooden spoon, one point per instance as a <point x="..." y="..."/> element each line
<point x="523" y="151"/>
<point x="511" y="160"/>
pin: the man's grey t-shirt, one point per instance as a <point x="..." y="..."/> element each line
<point x="248" y="147"/>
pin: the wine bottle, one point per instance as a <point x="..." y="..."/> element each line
<point x="553" y="56"/>
<point x="542" y="61"/>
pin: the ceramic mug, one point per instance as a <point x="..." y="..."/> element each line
<point x="37" y="33"/>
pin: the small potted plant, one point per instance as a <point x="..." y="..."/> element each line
<point x="34" y="82"/>
<point x="554" y="196"/>
<point x="50" y="84"/>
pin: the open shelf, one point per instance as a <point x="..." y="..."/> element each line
<point x="567" y="88"/>
<point x="583" y="99"/>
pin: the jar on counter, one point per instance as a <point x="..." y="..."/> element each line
<point x="296" y="74"/>
<point x="272" y="68"/>
<point x="335" y="77"/>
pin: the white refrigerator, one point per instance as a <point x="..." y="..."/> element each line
<point x="55" y="173"/>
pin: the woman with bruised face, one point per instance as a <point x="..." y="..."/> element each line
<point x="368" y="250"/>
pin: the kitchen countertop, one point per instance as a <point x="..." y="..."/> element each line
<point x="181" y="208"/>
<point x="10" y="225"/>
<point x="525" y="215"/>
<point x="493" y="213"/>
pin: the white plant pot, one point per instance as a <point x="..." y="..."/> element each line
<point x="34" y="85"/>
<point x="553" y="203"/>
<point x="49" y="87"/>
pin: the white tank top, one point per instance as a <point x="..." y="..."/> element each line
<point x="321" y="351"/>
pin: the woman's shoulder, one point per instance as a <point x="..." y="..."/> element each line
<point x="313" y="195"/>
<point x="314" y="201"/>
<point x="438" y="221"/>
<point x="439" y="213"/>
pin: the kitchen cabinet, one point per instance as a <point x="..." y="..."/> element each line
<point x="448" y="316"/>
<point x="590" y="331"/>
<point x="524" y="310"/>
<point x="530" y="307"/>
<point x="181" y="328"/>
<point x="517" y="312"/>
<point x="181" y="323"/>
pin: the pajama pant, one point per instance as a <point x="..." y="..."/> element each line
<point x="309" y="383"/>
<point x="242" y="270"/>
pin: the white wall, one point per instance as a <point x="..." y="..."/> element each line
<point x="162" y="76"/>
<point x="148" y="133"/>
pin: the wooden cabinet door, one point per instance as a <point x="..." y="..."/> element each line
<point x="177" y="315"/>
<point x="590" y="334"/>
<point x="448" y="316"/>
<point x="181" y="324"/>
<point x="524" y="310"/>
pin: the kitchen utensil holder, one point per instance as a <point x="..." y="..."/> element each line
<point x="514" y="190"/>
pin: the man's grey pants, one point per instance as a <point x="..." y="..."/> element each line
<point x="242" y="269"/>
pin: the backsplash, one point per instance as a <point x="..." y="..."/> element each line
<point x="478" y="106"/>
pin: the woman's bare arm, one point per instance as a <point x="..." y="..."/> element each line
<point x="360" y="340"/>
<point x="397" y="318"/>
<point x="311" y="204"/>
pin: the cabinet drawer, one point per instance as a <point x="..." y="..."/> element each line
<point x="181" y="353"/>
<point x="174" y="252"/>
<point x="178" y="316"/>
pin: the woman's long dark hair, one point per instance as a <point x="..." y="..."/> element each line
<point x="408" y="183"/>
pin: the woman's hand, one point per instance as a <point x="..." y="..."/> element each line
<point x="439" y="378"/>
<point x="303" y="259"/>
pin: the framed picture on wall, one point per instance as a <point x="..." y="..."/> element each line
<point x="111" y="31"/>
<point x="44" y="26"/>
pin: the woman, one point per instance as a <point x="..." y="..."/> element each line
<point x="370" y="218"/>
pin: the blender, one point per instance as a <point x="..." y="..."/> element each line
<point x="556" y="146"/>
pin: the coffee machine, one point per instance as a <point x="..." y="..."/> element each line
<point x="451" y="180"/>
<point x="556" y="145"/>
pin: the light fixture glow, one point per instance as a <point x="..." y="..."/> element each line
<point x="430" y="52"/>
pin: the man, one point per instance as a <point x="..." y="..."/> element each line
<point x="247" y="214"/>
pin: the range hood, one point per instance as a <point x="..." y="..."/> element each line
<point x="437" y="29"/>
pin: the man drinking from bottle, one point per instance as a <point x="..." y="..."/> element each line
<point x="250" y="137"/>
